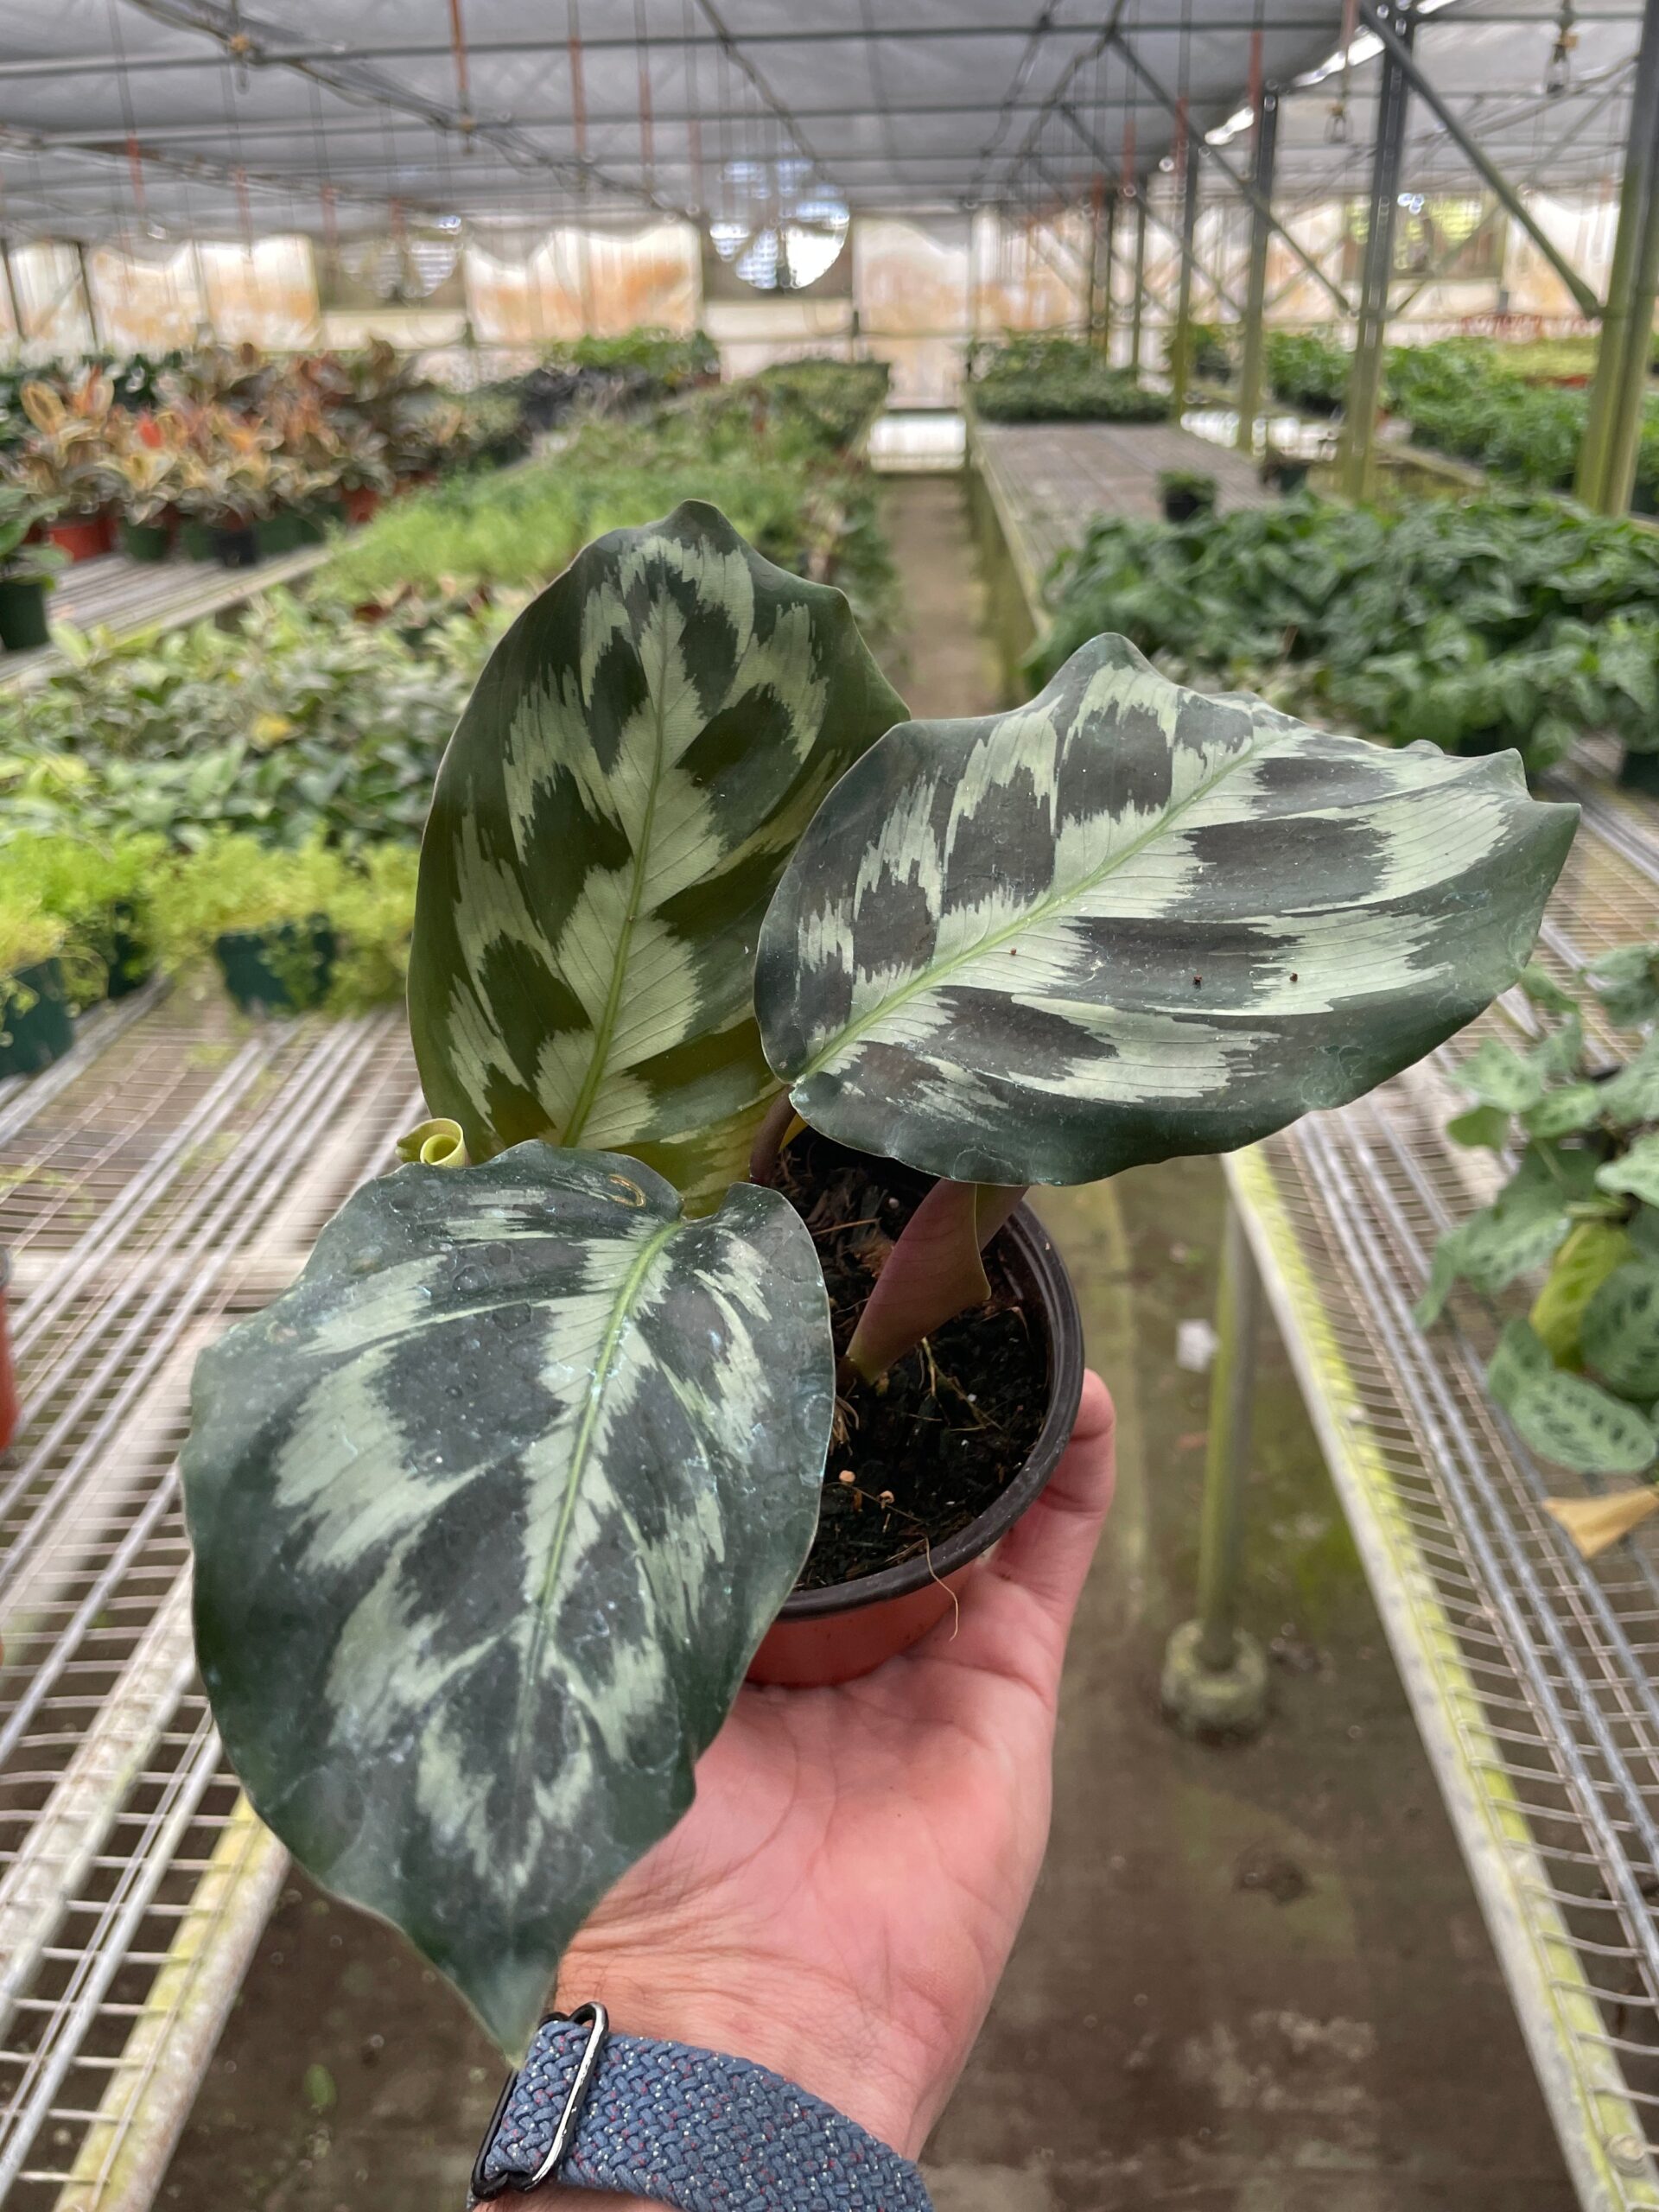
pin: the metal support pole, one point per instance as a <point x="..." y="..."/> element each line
<point x="1365" y="379"/>
<point x="1613" y="425"/>
<point x="1215" y="1679"/>
<point x="1180" y="350"/>
<point x="1100" y="287"/>
<point x="1138" y="309"/>
<point x="1244" y="187"/>
<point x="1392" y="25"/>
<point x="86" y="295"/>
<point x="1252" y="372"/>
<point x="12" y="300"/>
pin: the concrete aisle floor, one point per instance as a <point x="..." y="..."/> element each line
<point x="1254" y="1979"/>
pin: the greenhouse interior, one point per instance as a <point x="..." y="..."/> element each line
<point x="737" y="745"/>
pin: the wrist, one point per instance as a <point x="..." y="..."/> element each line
<point x="820" y="2039"/>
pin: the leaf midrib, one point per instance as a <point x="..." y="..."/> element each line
<point x="605" y="1029"/>
<point x="621" y="1309"/>
<point x="1029" y="919"/>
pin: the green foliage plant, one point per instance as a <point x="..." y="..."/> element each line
<point x="1047" y="379"/>
<point x="492" y="1508"/>
<point x="1480" y="624"/>
<point x="1575" y="1122"/>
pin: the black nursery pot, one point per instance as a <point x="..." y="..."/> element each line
<point x="1639" y="772"/>
<point x="278" y="971"/>
<point x="1185" y="506"/>
<point x="127" y="956"/>
<point x="834" y="1634"/>
<point x="42" y="1032"/>
<point x="238" y="548"/>
<point x="22" y="615"/>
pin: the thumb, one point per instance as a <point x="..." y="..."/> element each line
<point x="1043" y="1561"/>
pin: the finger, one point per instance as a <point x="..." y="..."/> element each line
<point x="1047" y="1551"/>
<point x="1042" y="1561"/>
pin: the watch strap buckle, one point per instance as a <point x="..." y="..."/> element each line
<point x="486" y="2186"/>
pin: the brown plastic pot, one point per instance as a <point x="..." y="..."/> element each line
<point x="82" y="537"/>
<point x="835" y="1635"/>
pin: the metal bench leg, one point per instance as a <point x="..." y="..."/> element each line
<point x="1215" y="1680"/>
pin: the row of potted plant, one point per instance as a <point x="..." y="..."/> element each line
<point x="1049" y="379"/>
<point x="84" y="919"/>
<point x="1492" y="620"/>
<point x="235" y="456"/>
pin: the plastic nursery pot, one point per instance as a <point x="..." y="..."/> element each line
<point x="127" y="956"/>
<point x="360" y="502"/>
<point x="22" y="615"/>
<point x="196" y="539"/>
<point x="8" y="1372"/>
<point x="312" y="525"/>
<point x="1291" y="475"/>
<point x="1185" y="506"/>
<point x="1639" y="772"/>
<point x="145" y="541"/>
<point x="834" y="1634"/>
<point x="278" y="533"/>
<point x="280" y="971"/>
<point x="236" y="546"/>
<point x="33" y="1035"/>
<point x="83" y="537"/>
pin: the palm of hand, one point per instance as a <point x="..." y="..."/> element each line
<point x="841" y="1900"/>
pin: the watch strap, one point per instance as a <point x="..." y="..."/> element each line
<point x="684" y="2127"/>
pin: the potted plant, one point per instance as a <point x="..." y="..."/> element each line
<point x="97" y="889"/>
<point x="226" y="482"/>
<point x="263" y="913"/>
<point x="35" y="1024"/>
<point x="492" y="1510"/>
<point x="142" y="469"/>
<point x="62" y="461"/>
<point x="1285" y="471"/>
<point x="28" y="569"/>
<point x="1185" y="493"/>
<point x="1575" y="1212"/>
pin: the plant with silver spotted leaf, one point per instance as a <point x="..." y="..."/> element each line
<point x="491" y="1510"/>
<point x="1575" y="1130"/>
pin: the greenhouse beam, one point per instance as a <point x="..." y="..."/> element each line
<point x="1180" y="349"/>
<point x="1137" y="312"/>
<point x="1613" y="429"/>
<point x="1252" y="374"/>
<point x="1365" y="379"/>
<point x="1240" y="183"/>
<point x="1376" y="20"/>
<point x="1100" y="286"/>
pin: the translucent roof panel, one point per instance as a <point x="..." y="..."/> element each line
<point x="197" y="116"/>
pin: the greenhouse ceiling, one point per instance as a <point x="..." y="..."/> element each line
<point x="122" y="117"/>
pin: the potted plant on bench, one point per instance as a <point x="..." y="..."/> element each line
<point x="493" y="1508"/>
<point x="27" y="570"/>
<point x="1185" y="493"/>
<point x="35" y="1024"/>
<point x="63" y="461"/>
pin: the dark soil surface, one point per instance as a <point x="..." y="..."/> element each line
<point x="924" y="1450"/>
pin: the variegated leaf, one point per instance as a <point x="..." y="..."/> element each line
<point x="643" y="750"/>
<point x="489" y="1511"/>
<point x="1130" y="921"/>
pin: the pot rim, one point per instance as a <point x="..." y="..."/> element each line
<point x="1033" y="1255"/>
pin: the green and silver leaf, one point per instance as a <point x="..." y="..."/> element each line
<point x="1635" y="1171"/>
<point x="642" y="752"/>
<point x="1619" y="1335"/>
<point x="1566" y="1418"/>
<point x="490" y="1512"/>
<point x="1130" y="921"/>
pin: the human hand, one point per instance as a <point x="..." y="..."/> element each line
<point x="841" y="1900"/>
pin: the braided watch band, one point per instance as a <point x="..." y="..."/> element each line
<point x="685" y="2128"/>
